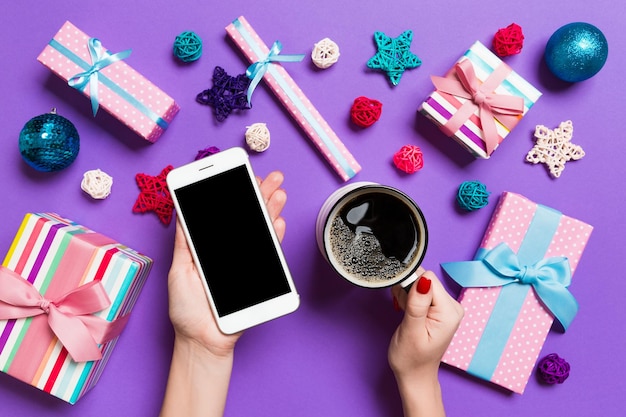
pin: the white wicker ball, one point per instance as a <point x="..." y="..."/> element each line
<point x="97" y="184"/>
<point x="325" y="53"/>
<point x="258" y="137"/>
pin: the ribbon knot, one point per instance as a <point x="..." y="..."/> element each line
<point x="44" y="305"/>
<point x="100" y="59"/>
<point x="69" y="316"/>
<point x="257" y="70"/>
<point x="528" y="275"/>
<point x="480" y="96"/>
<point x="500" y="266"/>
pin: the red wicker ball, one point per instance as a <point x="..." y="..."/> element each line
<point x="365" y="111"/>
<point x="509" y="40"/>
<point x="409" y="159"/>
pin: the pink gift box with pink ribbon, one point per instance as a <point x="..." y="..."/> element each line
<point x="479" y="101"/>
<point x="109" y="82"/>
<point x="66" y="294"/>
<point x="515" y="289"/>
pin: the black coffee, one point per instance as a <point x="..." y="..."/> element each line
<point x="375" y="237"/>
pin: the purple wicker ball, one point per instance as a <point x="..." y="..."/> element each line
<point x="206" y="152"/>
<point x="553" y="369"/>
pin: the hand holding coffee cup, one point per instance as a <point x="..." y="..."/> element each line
<point x="372" y="235"/>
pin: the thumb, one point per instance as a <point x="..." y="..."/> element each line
<point x="181" y="254"/>
<point x="419" y="300"/>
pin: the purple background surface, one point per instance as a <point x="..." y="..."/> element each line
<point x="329" y="358"/>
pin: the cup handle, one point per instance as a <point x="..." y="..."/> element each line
<point x="408" y="282"/>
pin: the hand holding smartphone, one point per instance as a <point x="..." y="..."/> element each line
<point x="232" y="240"/>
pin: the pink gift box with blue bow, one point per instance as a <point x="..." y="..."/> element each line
<point x="109" y="81"/>
<point x="266" y="64"/>
<point x="514" y="289"/>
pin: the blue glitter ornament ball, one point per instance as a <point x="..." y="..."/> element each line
<point x="49" y="142"/>
<point x="576" y="52"/>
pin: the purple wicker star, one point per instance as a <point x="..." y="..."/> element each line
<point x="227" y="94"/>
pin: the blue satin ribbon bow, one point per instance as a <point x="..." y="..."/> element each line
<point x="500" y="266"/>
<point x="100" y="59"/>
<point x="256" y="71"/>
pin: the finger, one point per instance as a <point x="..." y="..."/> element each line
<point x="400" y="292"/>
<point x="181" y="253"/>
<point x="280" y="227"/>
<point x="418" y="304"/>
<point x="442" y="300"/>
<point x="270" y="184"/>
<point x="275" y="203"/>
<point x="441" y="297"/>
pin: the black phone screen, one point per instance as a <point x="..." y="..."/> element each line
<point x="232" y="240"/>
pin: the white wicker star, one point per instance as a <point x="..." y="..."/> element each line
<point x="553" y="147"/>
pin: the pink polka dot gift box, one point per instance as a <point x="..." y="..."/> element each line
<point x="265" y="63"/>
<point x="109" y="82"/>
<point x="514" y="289"/>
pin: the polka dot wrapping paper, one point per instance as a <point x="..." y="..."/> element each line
<point x="294" y="100"/>
<point x="505" y="327"/>
<point x="121" y="91"/>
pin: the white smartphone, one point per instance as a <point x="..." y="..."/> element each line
<point x="232" y="240"/>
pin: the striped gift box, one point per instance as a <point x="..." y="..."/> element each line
<point x="122" y="91"/>
<point x="505" y="327"/>
<point x="57" y="255"/>
<point x="440" y="106"/>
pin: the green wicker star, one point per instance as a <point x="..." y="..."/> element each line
<point x="394" y="55"/>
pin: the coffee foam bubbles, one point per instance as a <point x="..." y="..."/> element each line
<point x="359" y="254"/>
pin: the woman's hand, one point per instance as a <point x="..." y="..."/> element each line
<point x="431" y="317"/>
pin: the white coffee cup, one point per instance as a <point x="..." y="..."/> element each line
<point x="372" y="235"/>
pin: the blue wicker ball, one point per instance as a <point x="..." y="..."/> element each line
<point x="188" y="47"/>
<point x="472" y="195"/>
<point x="49" y="142"/>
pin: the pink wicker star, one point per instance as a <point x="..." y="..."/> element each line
<point x="553" y="147"/>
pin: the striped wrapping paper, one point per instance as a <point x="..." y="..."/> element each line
<point x="122" y="91"/>
<point x="439" y="106"/>
<point x="294" y="100"/>
<point x="504" y="328"/>
<point x="57" y="255"/>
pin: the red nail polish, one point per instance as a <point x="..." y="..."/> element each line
<point x="396" y="306"/>
<point x="423" y="285"/>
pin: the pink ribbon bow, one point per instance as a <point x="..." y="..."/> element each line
<point x="69" y="316"/>
<point x="482" y="97"/>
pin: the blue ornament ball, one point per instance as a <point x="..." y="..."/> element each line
<point x="576" y="52"/>
<point x="49" y="142"/>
